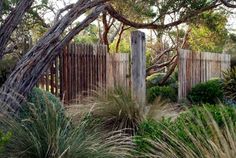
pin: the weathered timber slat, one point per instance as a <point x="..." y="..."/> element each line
<point x="81" y="69"/>
<point x="196" y="67"/>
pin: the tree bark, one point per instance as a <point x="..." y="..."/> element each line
<point x="11" y="23"/>
<point x="1" y="7"/>
<point x="228" y="3"/>
<point x="106" y="29"/>
<point x="37" y="60"/>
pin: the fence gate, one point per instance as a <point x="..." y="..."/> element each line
<point x="195" y="68"/>
<point x="81" y="69"/>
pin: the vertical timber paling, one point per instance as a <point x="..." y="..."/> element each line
<point x="81" y="68"/>
<point x="196" y="67"/>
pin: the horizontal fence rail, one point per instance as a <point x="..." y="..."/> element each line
<point x="196" y="68"/>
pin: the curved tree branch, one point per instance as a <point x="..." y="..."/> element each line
<point x="152" y="25"/>
<point x="11" y="23"/>
<point x="36" y="61"/>
<point x="58" y="14"/>
<point x="228" y="4"/>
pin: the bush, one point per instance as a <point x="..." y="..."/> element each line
<point x="209" y="92"/>
<point x="166" y="92"/>
<point x="200" y="132"/>
<point x="41" y="99"/>
<point x="46" y="132"/>
<point x="155" y="79"/>
<point x="4" y="138"/>
<point x="229" y="84"/>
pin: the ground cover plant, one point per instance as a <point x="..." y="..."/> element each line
<point x="45" y="131"/>
<point x="229" y="84"/>
<point x="201" y="132"/>
<point x="209" y="92"/>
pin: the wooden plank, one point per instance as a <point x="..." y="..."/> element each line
<point x="66" y="75"/>
<point x="61" y="65"/>
<point x="76" y="73"/>
<point x="199" y="67"/>
<point x="79" y="72"/>
<point x="57" y="76"/>
<point x="138" y="67"/>
<point x="47" y="80"/>
<point x="95" y="68"/>
<point x="51" y="76"/>
<point x="73" y="78"/>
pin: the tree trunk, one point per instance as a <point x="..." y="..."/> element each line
<point x="1" y="7"/>
<point x="106" y="29"/>
<point x="11" y="23"/>
<point x="38" y="59"/>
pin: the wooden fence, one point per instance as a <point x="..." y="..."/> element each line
<point x="195" y="68"/>
<point x="81" y="69"/>
<point x="118" y="70"/>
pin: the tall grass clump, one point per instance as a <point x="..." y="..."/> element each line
<point x="199" y="133"/>
<point x="229" y="84"/>
<point x="46" y="132"/>
<point x="116" y="109"/>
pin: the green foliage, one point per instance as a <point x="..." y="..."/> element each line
<point x="116" y="109"/>
<point x="148" y="58"/>
<point x="229" y="83"/>
<point x="41" y="98"/>
<point x="47" y="132"/>
<point x="4" y="139"/>
<point x="166" y="92"/>
<point x="208" y="92"/>
<point x="197" y="133"/>
<point x="155" y="79"/>
<point x="88" y="36"/>
<point x="124" y="46"/>
<point x="208" y="32"/>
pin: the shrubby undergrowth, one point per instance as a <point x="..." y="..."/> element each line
<point x="43" y="130"/>
<point x="201" y="132"/>
<point x="209" y="92"/>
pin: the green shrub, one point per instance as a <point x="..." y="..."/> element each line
<point x="199" y="132"/>
<point x="46" y="132"/>
<point x="4" y="139"/>
<point x="166" y="92"/>
<point x="229" y="84"/>
<point x="42" y="98"/>
<point x="155" y="79"/>
<point x="209" y="92"/>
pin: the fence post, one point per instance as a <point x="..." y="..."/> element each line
<point x="138" y="67"/>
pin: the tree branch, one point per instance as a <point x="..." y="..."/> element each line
<point x="29" y="69"/>
<point x="58" y="14"/>
<point x="152" y="25"/>
<point x="160" y="65"/>
<point x="11" y="23"/>
<point x="228" y="4"/>
<point x="1" y="7"/>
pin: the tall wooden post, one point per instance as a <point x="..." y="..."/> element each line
<point x="138" y="67"/>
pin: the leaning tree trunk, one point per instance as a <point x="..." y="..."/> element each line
<point x="1" y="7"/>
<point x="38" y="59"/>
<point x="11" y="23"/>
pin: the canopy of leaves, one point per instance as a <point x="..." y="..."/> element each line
<point x="208" y="32"/>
